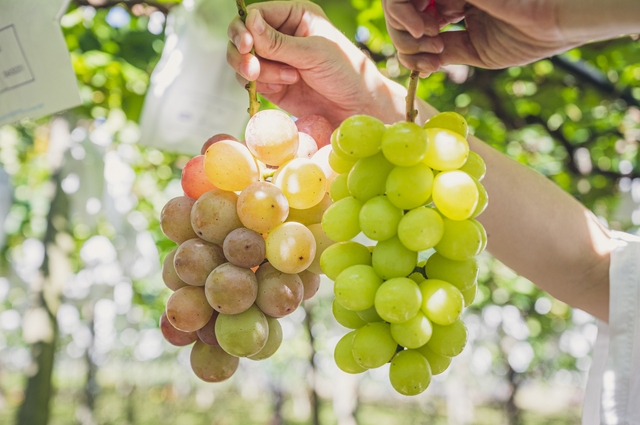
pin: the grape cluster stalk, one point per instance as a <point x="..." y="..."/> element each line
<point x="411" y="189"/>
<point x="249" y="240"/>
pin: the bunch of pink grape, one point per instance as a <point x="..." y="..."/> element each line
<point x="247" y="229"/>
<point x="413" y="190"/>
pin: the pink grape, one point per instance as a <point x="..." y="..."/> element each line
<point x="279" y="294"/>
<point x="174" y="336"/>
<point x="317" y="127"/>
<point x="231" y="289"/>
<point x="175" y="219"/>
<point x="244" y="248"/>
<point x="310" y="282"/>
<point x="216" y="138"/>
<point x="207" y="333"/>
<point x="194" y="180"/>
<point x="169" y="275"/>
<point x="214" y="215"/>
<point x="195" y="259"/>
<point x="188" y="309"/>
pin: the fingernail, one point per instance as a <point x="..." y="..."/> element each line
<point x="288" y="75"/>
<point x="259" y="24"/>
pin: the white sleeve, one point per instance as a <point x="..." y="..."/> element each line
<point x="613" y="389"/>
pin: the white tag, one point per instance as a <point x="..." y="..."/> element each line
<point x="193" y="92"/>
<point x="36" y="76"/>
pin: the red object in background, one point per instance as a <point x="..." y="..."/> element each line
<point x="317" y="127"/>
<point x="194" y="180"/>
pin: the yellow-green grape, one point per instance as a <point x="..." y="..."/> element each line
<point x="339" y="188"/>
<point x="450" y="121"/>
<point x="310" y="215"/>
<point x="461" y="274"/>
<point x="360" y="135"/>
<point x="392" y="259"/>
<point x="341" y="255"/>
<point x="448" y="340"/>
<point x="483" y="235"/>
<point x="398" y="300"/>
<point x="455" y="194"/>
<point x="409" y="187"/>
<point x="343" y="355"/>
<point x="442" y="302"/>
<point x="461" y="240"/>
<point x="409" y="373"/>
<point x="336" y="148"/>
<point x="446" y="150"/>
<point x="368" y="178"/>
<point x="483" y="200"/>
<point x="341" y="220"/>
<point x="379" y="218"/>
<point x="347" y="318"/>
<point x="243" y="334"/>
<point x="340" y="164"/>
<point x="271" y="136"/>
<point x="475" y="166"/>
<point x="417" y="277"/>
<point x="437" y="362"/>
<point x="420" y="229"/>
<point x="369" y="315"/>
<point x="469" y="294"/>
<point x="290" y="247"/>
<point x="273" y="340"/>
<point x="404" y="144"/>
<point x="322" y="243"/>
<point x="355" y="287"/>
<point x="413" y="333"/>
<point x="302" y="182"/>
<point x="373" y="345"/>
<point x="230" y="166"/>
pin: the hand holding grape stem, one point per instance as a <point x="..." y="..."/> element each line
<point x="501" y="33"/>
<point x="299" y="53"/>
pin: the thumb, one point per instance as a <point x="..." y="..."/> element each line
<point x="274" y="45"/>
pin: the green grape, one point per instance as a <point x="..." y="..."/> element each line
<point x="461" y="274"/>
<point x="379" y="218"/>
<point x="273" y="340"/>
<point x="409" y="187"/>
<point x="368" y="178"/>
<point x="410" y="373"/>
<point x="483" y="235"/>
<point x="355" y="288"/>
<point x="322" y="243"/>
<point x="469" y="295"/>
<point x="398" y="300"/>
<point x="343" y="355"/>
<point x="450" y="121"/>
<point x="392" y="259"/>
<point x="446" y="150"/>
<point x="360" y="135"/>
<point x="483" y="200"/>
<point x="442" y="302"/>
<point x="341" y="221"/>
<point x="341" y="255"/>
<point x="449" y="340"/>
<point x="369" y="315"/>
<point x="417" y="277"/>
<point x="413" y="333"/>
<point x="339" y="164"/>
<point x="475" y="166"/>
<point x="461" y="240"/>
<point x="347" y="318"/>
<point x="243" y="334"/>
<point x="339" y="189"/>
<point x="455" y="194"/>
<point x="404" y="144"/>
<point x="373" y="345"/>
<point x="420" y="229"/>
<point x="437" y="362"/>
<point x="338" y="151"/>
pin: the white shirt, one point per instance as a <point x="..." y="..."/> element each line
<point x="613" y="390"/>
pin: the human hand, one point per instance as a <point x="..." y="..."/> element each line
<point x="499" y="33"/>
<point x="305" y="65"/>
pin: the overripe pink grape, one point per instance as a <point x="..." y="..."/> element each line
<point x="207" y="333"/>
<point x="195" y="259"/>
<point x="244" y="248"/>
<point x="279" y="294"/>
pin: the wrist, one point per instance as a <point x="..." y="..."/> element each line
<point x="591" y="20"/>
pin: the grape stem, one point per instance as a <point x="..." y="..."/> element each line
<point x="254" y="103"/>
<point x="412" y="112"/>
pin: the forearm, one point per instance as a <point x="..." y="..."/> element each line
<point x="582" y="21"/>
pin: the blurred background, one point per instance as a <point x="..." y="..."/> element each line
<point x="81" y="194"/>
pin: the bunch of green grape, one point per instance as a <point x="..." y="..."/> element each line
<point x="247" y="229"/>
<point x="413" y="190"/>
